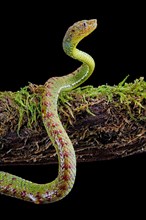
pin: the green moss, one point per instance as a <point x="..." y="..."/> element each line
<point x="25" y="102"/>
<point x="28" y="103"/>
<point x="127" y="92"/>
<point x="130" y="95"/>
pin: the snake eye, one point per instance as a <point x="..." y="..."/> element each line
<point x="84" y="24"/>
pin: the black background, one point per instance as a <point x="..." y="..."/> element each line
<point x="31" y="51"/>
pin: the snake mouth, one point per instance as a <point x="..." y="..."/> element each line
<point x="93" y="23"/>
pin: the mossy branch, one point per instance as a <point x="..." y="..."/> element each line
<point x="103" y="123"/>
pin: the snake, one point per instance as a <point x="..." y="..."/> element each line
<point x="43" y="193"/>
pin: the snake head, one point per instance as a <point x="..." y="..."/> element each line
<point x="81" y="29"/>
<point x="77" y="32"/>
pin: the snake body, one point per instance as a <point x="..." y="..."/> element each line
<point x="20" y="188"/>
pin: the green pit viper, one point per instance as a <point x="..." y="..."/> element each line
<point x="20" y="188"/>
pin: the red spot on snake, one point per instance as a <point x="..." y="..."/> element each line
<point x="60" y="139"/>
<point x="49" y="114"/>
<point x="39" y="198"/>
<point x="46" y="103"/>
<point x="66" y="177"/>
<point x="48" y="86"/>
<point x="47" y="194"/>
<point x="6" y="189"/>
<point x="66" y="154"/>
<point x="23" y="194"/>
<point x="67" y="166"/>
<point x="57" y="131"/>
<point x="48" y="94"/>
<point x="59" y="194"/>
<point x="38" y="195"/>
<point x="48" y="199"/>
<point x="48" y="124"/>
<point x="14" y="191"/>
<point x="54" y="125"/>
<point x="62" y="142"/>
<point x="13" y="178"/>
<point x="63" y="187"/>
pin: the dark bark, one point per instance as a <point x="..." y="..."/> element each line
<point x="105" y="130"/>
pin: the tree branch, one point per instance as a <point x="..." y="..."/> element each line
<point x="103" y="123"/>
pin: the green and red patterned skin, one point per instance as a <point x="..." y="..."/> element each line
<point x="17" y="187"/>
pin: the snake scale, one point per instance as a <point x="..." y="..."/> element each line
<point x="20" y="188"/>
